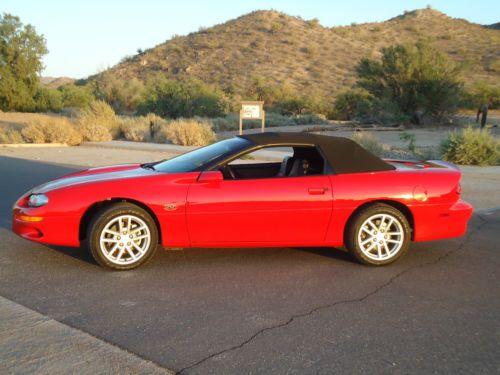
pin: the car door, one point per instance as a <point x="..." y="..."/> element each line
<point x="272" y="211"/>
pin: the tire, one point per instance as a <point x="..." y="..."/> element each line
<point x="376" y="244"/>
<point x="122" y="237"/>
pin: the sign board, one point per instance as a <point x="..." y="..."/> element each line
<point x="252" y="110"/>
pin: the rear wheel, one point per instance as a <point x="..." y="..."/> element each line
<point x="122" y="237"/>
<point x="378" y="235"/>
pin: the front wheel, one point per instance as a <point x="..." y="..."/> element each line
<point x="122" y="237"/>
<point x="378" y="235"/>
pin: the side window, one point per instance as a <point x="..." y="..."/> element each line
<point x="269" y="162"/>
<point x="266" y="155"/>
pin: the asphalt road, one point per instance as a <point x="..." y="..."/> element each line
<point x="261" y="311"/>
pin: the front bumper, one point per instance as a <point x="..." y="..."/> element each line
<point x="36" y="226"/>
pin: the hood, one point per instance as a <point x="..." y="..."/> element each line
<point x="95" y="175"/>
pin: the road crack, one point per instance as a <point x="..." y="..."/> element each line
<point x="341" y="302"/>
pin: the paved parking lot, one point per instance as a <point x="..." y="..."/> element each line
<point x="287" y="310"/>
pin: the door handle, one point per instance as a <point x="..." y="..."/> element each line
<point x="317" y="191"/>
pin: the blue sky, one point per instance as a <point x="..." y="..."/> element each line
<point x="84" y="37"/>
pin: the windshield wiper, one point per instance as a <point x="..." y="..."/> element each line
<point x="148" y="166"/>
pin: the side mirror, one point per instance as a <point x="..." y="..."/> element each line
<point x="211" y="176"/>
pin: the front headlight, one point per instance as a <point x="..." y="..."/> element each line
<point x="38" y="200"/>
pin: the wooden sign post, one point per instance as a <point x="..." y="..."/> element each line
<point x="252" y="111"/>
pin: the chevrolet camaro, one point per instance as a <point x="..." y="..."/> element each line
<point x="326" y="192"/>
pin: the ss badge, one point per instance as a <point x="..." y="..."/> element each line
<point x="170" y="206"/>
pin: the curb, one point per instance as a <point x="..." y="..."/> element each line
<point x="33" y="145"/>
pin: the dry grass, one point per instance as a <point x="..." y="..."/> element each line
<point x="51" y="130"/>
<point x="99" y="115"/>
<point x="143" y="128"/>
<point x="94" y="132"/>
<point x="188" y="132"/>
<point x="370" y="142"/>
<point x="18" y="120"/>
<point x="11" y="136"/>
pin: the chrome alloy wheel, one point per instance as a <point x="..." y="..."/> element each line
<point x="380" y="237"/>
<point x="125" y="239"/>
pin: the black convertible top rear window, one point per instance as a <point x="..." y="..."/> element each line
<point x="343" y="154"/>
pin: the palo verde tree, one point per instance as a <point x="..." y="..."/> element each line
<point x="21" y="51"/>
<point x="412" y="81"/>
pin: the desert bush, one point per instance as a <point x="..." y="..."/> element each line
<point x="98" y="115"/>
<point x="189" y="132"/>
<point x="94" y="132"/>
<point x="156" y="123"/>
<point x="51" y="130"/>
<point x="143" y="128"/>
<point x="369" y="142"/>
<point x="137" y="129"/>
<point x="471" y="147"/>
<point x="10" y="136"/>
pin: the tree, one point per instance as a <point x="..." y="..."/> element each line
<point x="284" y="99"/>
<point x="74" y="96"/>
<point x="351" y="104"/>
<point x="124" y="95"/>
<point x="412" y="81"/>
<point x="21" y="51"/>
<point x="169" y="98"/>
<point x="46" y="100"/>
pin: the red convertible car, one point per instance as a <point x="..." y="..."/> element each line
<point x="325" y="191"/>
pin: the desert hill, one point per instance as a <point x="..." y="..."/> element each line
<point x="310" y="57"/>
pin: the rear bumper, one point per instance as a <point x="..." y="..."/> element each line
<point x="53" y="230"/>
<point x="438" y="222"/>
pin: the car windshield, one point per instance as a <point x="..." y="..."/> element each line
<point x="194" y="160"/>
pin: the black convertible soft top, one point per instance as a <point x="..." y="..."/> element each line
<point x="343" y="154"/>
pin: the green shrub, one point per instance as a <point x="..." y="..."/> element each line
<point x="353" y="104"/>
<point x="51" y="130"/>
<point x="189" y="132"/>
<point x="471" y="147"/>
<point x="10" y="136"/>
